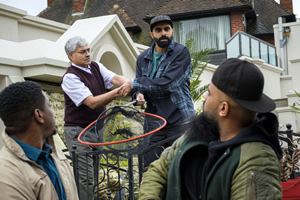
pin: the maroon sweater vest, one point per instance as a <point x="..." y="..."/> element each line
<point x="82" y="116"/>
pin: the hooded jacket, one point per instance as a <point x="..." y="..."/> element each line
<point x="22" y="178"/>
<point x="245" y="167"/>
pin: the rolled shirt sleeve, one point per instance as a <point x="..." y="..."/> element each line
<point x="77" y="91"/>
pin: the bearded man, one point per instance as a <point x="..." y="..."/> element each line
<point x="162" y="80"/>
<point x="232" y="149"/>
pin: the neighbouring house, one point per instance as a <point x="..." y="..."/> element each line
<point x="210" y="22"/>
<point x="33" y="49"/>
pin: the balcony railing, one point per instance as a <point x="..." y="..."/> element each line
<point x="243" y="44"/>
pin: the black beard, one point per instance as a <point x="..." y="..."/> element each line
<point x="164" y="43"/>
<point x="203" y="128"/>
<point x="54" y="132"/>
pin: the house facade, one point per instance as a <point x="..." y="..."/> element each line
<point x="210" y="22"/>
<point x="32" y="49"/>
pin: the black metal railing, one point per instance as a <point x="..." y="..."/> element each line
<point x="289" y="161"/>
<point x="129" y="176"/>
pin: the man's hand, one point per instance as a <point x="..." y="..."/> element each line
<point x="125" y="89"/>
<point x="140" y="99"/>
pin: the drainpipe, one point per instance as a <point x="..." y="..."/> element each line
<point x="282" y="43"/>
<point x="244" y="16"/>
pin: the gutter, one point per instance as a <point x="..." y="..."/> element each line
<point x="282" y="44"/>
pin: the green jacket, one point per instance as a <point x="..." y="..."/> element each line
<point x="250" y="170"/>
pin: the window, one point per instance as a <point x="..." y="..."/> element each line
<point x="210" y="32"/>
<point x="243" y="44"/>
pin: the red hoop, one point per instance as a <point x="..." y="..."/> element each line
<point x="126" y="140"/>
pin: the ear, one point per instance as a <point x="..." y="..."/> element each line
<point x="151" y="34"/>
<point x="223" y="109"/>
<point x="70" y="55"/>
<point x="39" y="116"/>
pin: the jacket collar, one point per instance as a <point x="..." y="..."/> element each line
<point x="16" y="149"/>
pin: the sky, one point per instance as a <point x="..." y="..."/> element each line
<point x="34" y="7"/>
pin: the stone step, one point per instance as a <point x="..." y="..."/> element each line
<point x="282" y="102"/>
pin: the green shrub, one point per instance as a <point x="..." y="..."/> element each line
<point x="200" y="60"/>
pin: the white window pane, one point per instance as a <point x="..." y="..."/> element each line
<point x="245" y="45"/>
<point x="254" y="48"/>
<point x="264" y="52"/>
<point x="233" y="48"/>
<point x="210" y="32"/>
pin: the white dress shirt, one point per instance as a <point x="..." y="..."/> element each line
<point x="76" y="89"/>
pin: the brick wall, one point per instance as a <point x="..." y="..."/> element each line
<point x="50" y="2"/>
<point x="237" y="22"/>
<point x="267" y="38"/>
<point x="78" y="6"/>
<point x="288" y="4"/>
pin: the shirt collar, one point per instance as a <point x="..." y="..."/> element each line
<point x="33" y="153"/>
<point x="83" y="68"/>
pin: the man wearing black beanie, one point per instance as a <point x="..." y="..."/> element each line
<point x="231" y="150"/>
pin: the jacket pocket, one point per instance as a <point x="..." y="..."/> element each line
<point x="260" y="186"/>
<point x="251" y="186"/>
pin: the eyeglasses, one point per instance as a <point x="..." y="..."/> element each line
<point x="166" y="29"/>
<point x="84" y="51"/>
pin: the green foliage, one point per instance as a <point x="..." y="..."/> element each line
<point x="116" y="123"/>
<point x="294" y="107"/>
<point x="200" y="60"/>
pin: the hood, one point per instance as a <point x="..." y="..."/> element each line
<point x="264" y="130"/>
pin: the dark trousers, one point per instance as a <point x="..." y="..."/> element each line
<point x="88" y="166"/>
<point x="166" y="132"/>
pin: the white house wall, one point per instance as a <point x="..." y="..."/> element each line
<point x="291" y="52"/>
<point x="27" y="33"/>
<point x="10" y="32"/>
<point x="271" y="74"/>
<point x="291" y="80"/>
<point x="106" y="36"/>
<point x="111" y="55"/>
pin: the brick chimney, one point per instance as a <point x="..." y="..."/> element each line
<point x="78" y="6"/>
<point x="288" y="4"/>
<point x="50" y="2"/>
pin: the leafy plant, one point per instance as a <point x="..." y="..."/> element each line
<point x="294" y="107"/>
<point x="200" y="60"/>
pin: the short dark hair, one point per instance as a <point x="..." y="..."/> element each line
<point x="17" y="104"/>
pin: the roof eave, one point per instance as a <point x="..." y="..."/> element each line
<point x="133" y="28"/>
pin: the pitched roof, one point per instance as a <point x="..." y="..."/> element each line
<point x="61" y="11"/>
<point x="267" y="13"/>
<point x="192" y="7"/>
<point x="126" y="20"/>
<point x="135" y="13"/>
